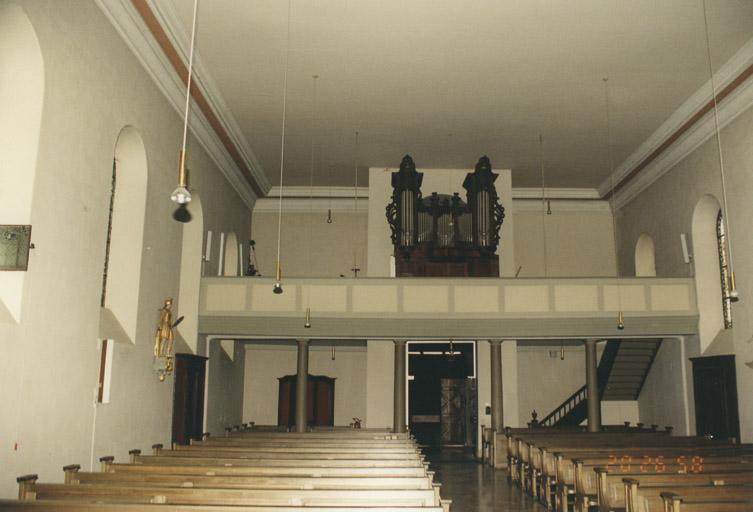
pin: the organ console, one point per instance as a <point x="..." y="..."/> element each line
<point x="441" y="235"/>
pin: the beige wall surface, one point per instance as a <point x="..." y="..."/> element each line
<point x="665" y="209"/>
<point x="380" y="371"/>
<point x="49" y="369"/>
<point x="544" y="380"/>
<point x="579" y="240"/>
<point x="224" y="387"/>
<point x="265" y="363"/>
<point x="309" y="246"/>
<point x="663" y="398"/>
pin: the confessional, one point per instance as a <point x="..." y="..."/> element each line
<point x="443" y="235"/>
<point x="320" y="401"/>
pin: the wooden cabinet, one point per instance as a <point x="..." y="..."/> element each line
<point x="425" y="261"/>
<point x="715" y="390"/>
<point x="320" y="401"/>
<point x="188" y="398"/>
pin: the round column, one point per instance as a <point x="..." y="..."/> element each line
<point x="301" y="386"/>
<point x="398" y="413"/>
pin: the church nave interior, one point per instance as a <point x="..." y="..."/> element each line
<point x="383" y="257"/>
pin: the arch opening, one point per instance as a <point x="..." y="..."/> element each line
<point x="707" y="271"/>
<point x="21" y="102"/>
<point x="230" y="265"/>
<point x="122" y="269"/>
<point x="645" y="257"/>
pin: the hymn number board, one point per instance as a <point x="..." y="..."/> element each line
<point x="655" y="464"/>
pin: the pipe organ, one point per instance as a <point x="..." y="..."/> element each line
<point x="443" y="235"/>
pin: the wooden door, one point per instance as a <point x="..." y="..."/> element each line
<point x="188" y="398"/>
<point x="320" y="405"/>
<point x="453" y="413"/>
<point x="715" y="390"/>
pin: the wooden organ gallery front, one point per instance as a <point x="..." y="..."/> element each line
<point x="441" y="235"/>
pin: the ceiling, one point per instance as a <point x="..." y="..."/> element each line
<point x="449" y="81"/>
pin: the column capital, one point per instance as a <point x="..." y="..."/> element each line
<point x="303" y="341"/>
<point x="495" y="342"/>
<point x="400" y="342"/>
<point x="590" y="341"/>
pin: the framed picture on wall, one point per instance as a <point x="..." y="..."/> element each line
<point x="15" y="242"/>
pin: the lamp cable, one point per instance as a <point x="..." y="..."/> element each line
<point x="282" y="136"/>
<point x="620" y="319"/>
<point x="718" y="135"/>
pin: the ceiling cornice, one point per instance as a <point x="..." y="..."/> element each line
<point x="304" y="192"/>
<point x="153" y="33"/>
<point x="555" y="193"/>
<point x="686" y="129"/>
<point x="340" y="199"/>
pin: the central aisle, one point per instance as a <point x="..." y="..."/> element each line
<point x="473" y="487"/>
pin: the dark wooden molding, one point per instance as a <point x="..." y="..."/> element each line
<point x="151" y="22"/>
<point x="705" y="109"/>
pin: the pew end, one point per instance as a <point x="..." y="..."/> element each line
<point x="132" y="454"/>
<point x="105" y="462"/>
<point x="672" y="501"/>
<point x="70" y="473"/>
<point x="26" y="486"/>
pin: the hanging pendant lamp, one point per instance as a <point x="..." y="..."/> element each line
<point x="620" y="315"/>
<point x="277" y="289"/>
<point x="181" y="195"/>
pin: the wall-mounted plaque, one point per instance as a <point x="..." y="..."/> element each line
<point x="15" y="241"/>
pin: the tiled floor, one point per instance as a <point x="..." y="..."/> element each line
<point x="476" y="488"/>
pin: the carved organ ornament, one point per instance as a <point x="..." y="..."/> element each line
<point x="441" y="221"/>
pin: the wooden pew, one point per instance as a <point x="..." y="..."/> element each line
<point x="587" y="481"/>
<point x="396" y="452"/>
<point x="265" y="470"/>
<point x="74" y="506"/>
<point x="523" y="445"/>
<point x="113" y="493"/>
<point x="673" y="502"/>
<point x="532" y="453"/>
<point x="353" y="434"/>
<point x="307" y="463"/>
<point x="73" y="476"/>
<point x="577" y="476"/>
<point x="342" y="470"/>
<point x="541" y="459"/>
<point x="647" y="497"/>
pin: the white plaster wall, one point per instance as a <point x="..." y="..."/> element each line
<point x="309" y="246"/>
<point x="544" y="380"/>
<point x="224" y="387"/>
<point x="663" y="398"/>
<point x="94" y="87"/>
<point x="380" y="371"/>
<point x="510" y="393"/>
<point x="266" y="363"/>
<point x="665" y="209"/>
<point x="579" y="239"/>
<point x="617" y="412"/>
<point x="21" y="96"/>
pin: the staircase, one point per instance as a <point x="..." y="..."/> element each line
<point x="623" y="368"/>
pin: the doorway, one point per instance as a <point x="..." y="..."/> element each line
<point x="188" y="398"/>
<point x="715" y="391"/>
<point x="442" y="393"/>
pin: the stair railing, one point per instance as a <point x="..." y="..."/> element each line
<point x="606" y="363"/>
<point x="568" y="405"/>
